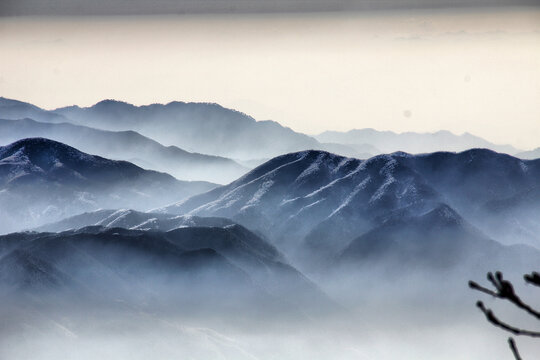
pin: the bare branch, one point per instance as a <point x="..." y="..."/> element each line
<point x="505" y="290"/>
<point x="495" y="321"/>
<point x="473" y="285"/>
<point x="514" y="349"/>
<point x="533" y="278"/>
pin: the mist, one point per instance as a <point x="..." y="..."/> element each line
<point x="269" y="180"/>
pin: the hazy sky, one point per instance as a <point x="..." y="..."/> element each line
<point x="475" y="70"/>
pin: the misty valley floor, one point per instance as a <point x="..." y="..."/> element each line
<point x="139" y="335"/>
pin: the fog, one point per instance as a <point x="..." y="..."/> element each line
<point x="151" y="206"/>
<point x="43" y="181"/>
<point x="174" y="339"/>
<point x="389" y="327"/>
<point x="310" y="255"/>
<point x="130" y="294"/>
<point x="121" y="145"/>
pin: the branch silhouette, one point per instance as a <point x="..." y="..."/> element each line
<point x="514" y="349"/>
<point x="495" y="321"/>
<point x="503" y="289"/>
<point x="533" y="278"/>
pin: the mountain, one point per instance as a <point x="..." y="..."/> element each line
<point x="197" y="127"/>
<point x="197" y="267"/>
<point x="514" y="217"/>
<point x="324" y="201"/>
<point x="43" y="180"/>
<point x="350" y="150"/>
<point x="201" y="127"/>
<point x="114" y="264"/>
<point x="134" y="220"/>
<point x="529" y="155"/>
<point x="212" y="129"/>
<point x="314" y="194"/>
<point x="439" y="239"/>
<point x="14" y="109"/>
<point x="377" y="142"/>
<point x="127" y="145"/>
<point x="430" y="256"/>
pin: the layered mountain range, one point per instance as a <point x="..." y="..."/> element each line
<point x="203" y="264"/>
<point x="127" y="145"/>
<point x="43" y="180"/>
<point x="377" y="142"/>
<point x="212" y="129"/>
<point x="304" y="233"/>
<point x="327" y="199"/>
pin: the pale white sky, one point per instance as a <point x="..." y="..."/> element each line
<point x="475" y="71"/>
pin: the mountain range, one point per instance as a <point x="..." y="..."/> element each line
<point x="532" y="154"/>
<point x="43" y="180"/>
<point x="196" y="127"/>
<point x="324" y="200"/>
<point x="133" y="220"/>
<point x="391" y="216"/>
<point x="208" y="264"/>
<point x="301" y="231"/>
<point x="208" y="128"/>
<point x="384" y="142"/>
<point x="127" y="145"/>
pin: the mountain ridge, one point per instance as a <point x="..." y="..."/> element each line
<point x="210" y="128"/>
<point x="328" y="199"/>
<point x="125" y="145"/>
<point x="41" y="180"/>
<point x="116" y="261"/>
<point x="411" y="142"/>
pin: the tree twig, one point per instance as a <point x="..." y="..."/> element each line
<point x="533" y="278"/>
<point x="514" y="349"/>
<point x="495" y="321"/>
<point x="505" y="290"/>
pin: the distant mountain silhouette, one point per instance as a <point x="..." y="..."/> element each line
<point x="196" y="127"/>
<point x="14" y="109"/>
<point x="127" y="145"/>
<point x="42" y="180"/>
<point x="529" y="155"/>
<point x="382" y="142"/>
<point x="212" y="129"/>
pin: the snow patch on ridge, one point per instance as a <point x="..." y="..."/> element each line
<point x="145" y="225"/>
<point x="233" y="196"/>
<point x="361" y="186"/>
<point x="312" y="168"/>
<point x="258" y="194"/>
<point x="115" y="216"/>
